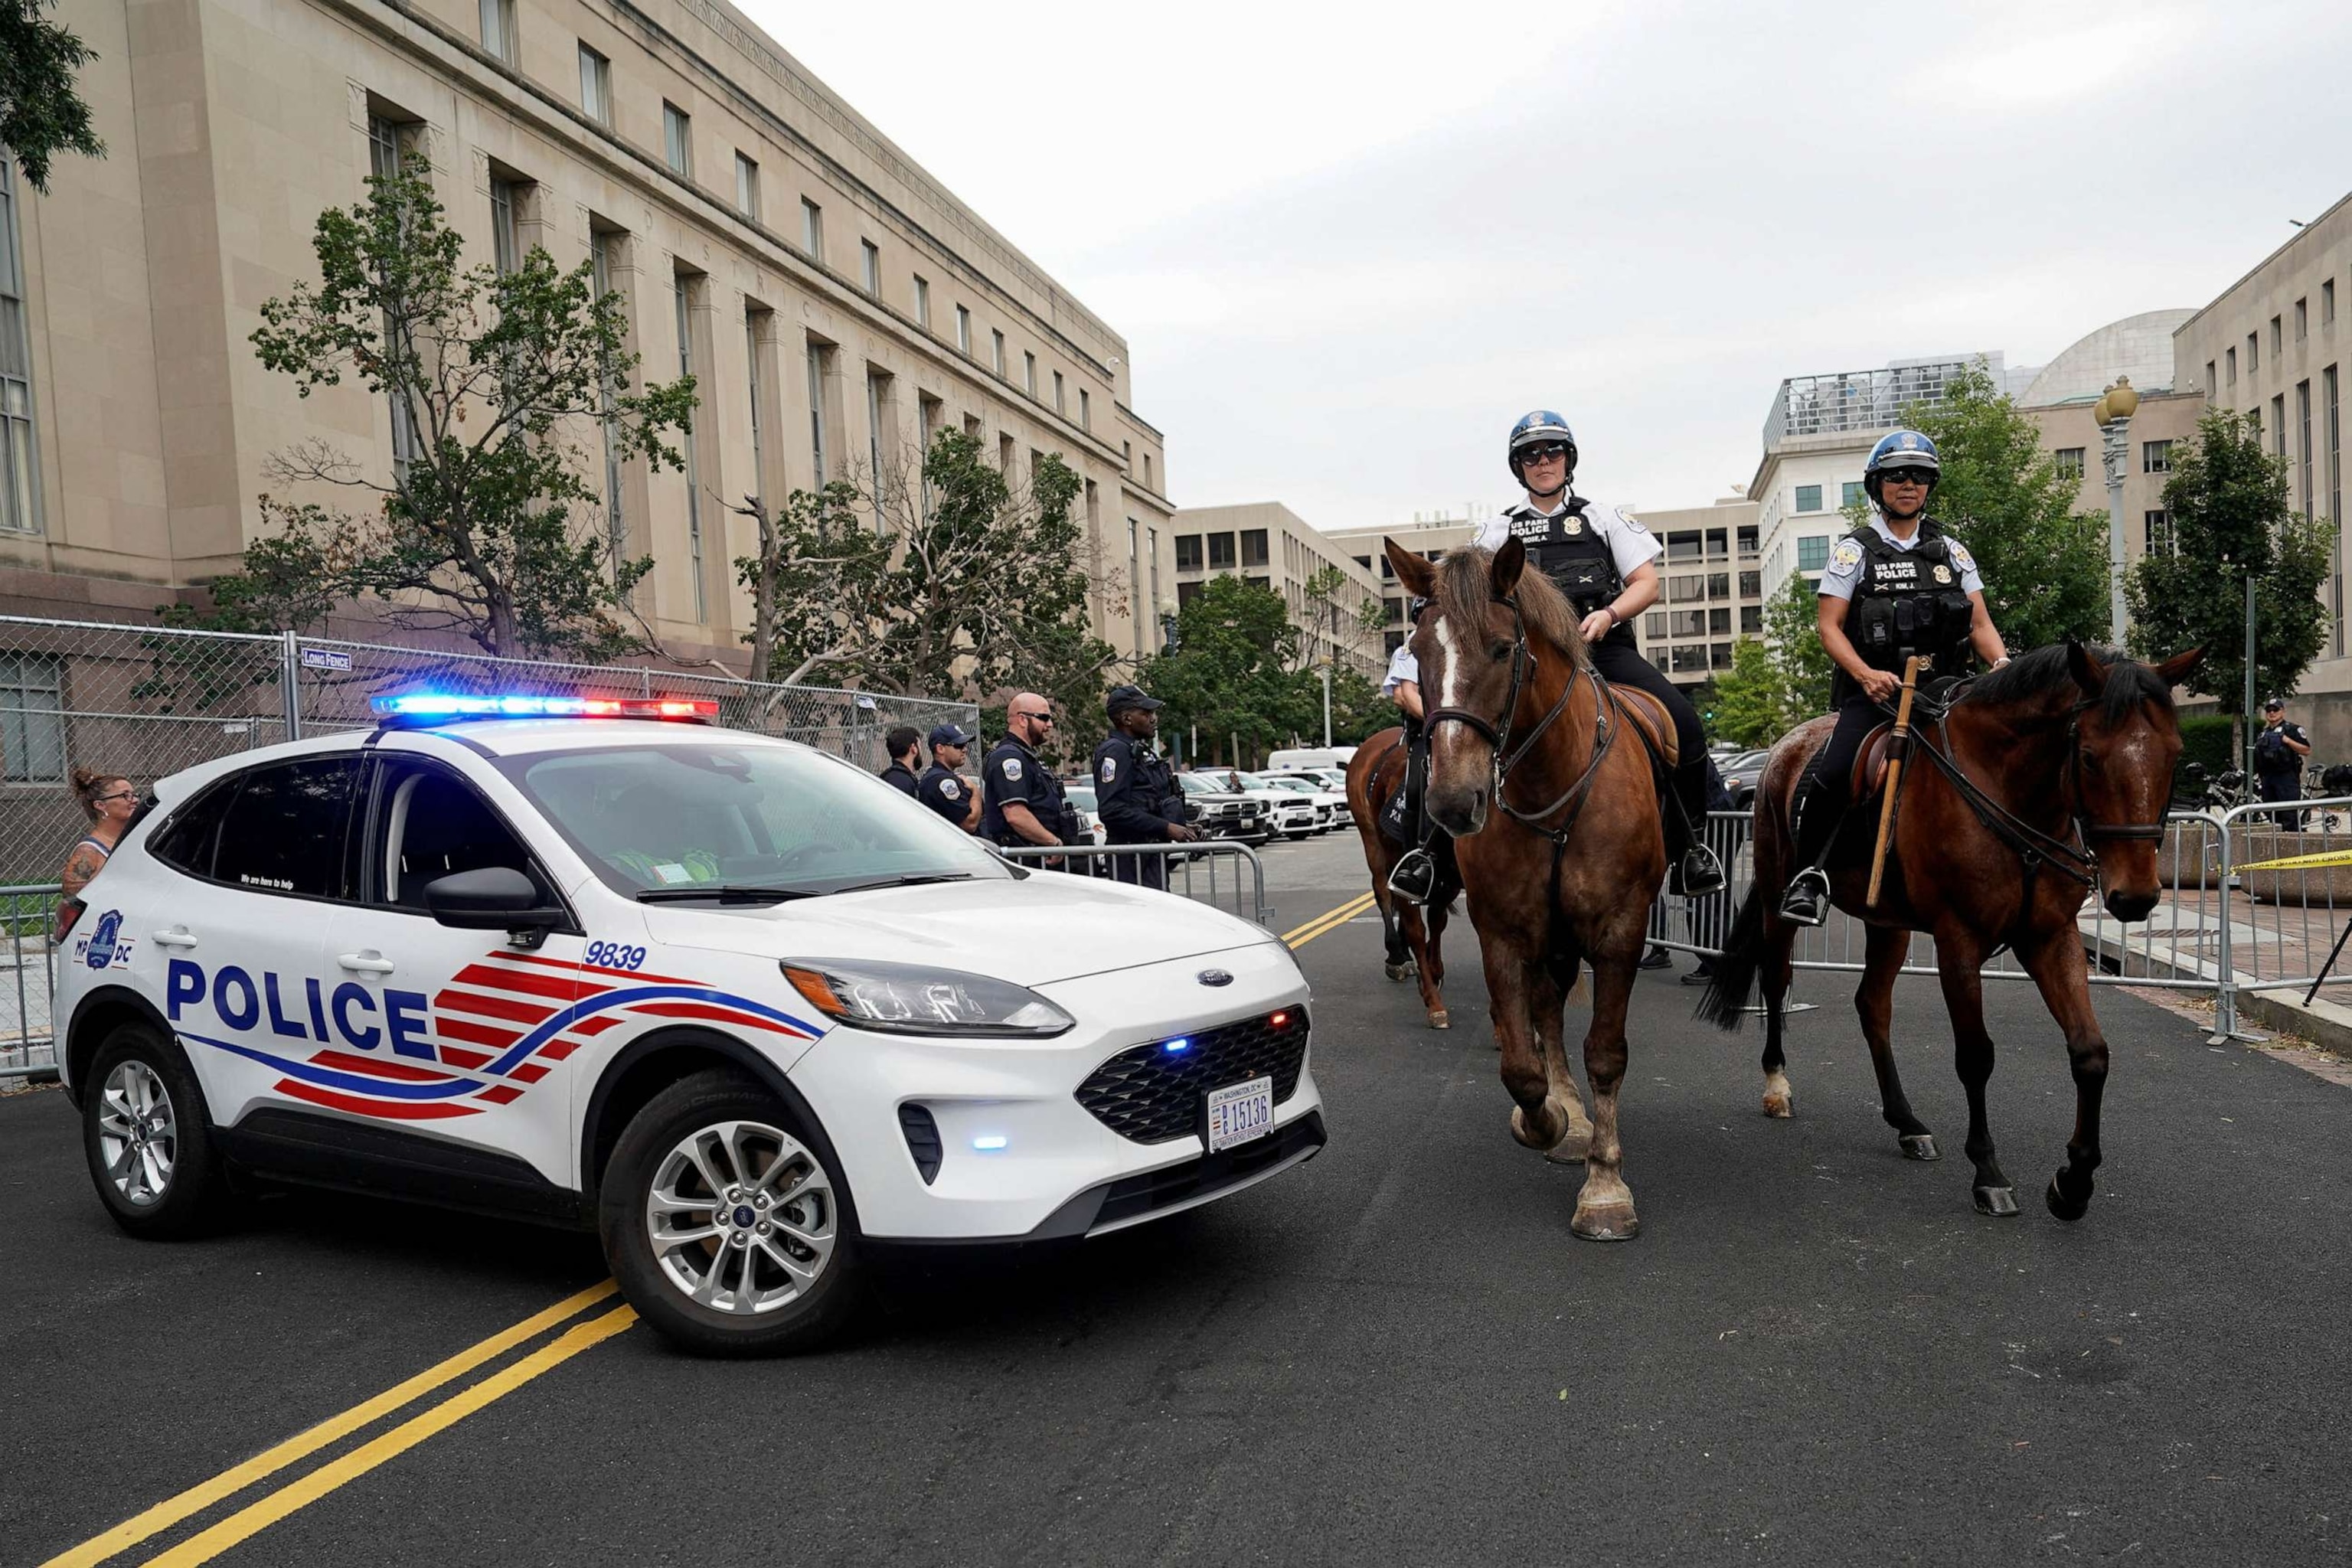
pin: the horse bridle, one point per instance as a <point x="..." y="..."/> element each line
<point x="1523" y="664"/>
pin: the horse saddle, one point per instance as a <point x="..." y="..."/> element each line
<point x="1870" y="761"/>
<point x="1649" y="716"/>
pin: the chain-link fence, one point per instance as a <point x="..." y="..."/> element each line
<point x="146" y="702"/>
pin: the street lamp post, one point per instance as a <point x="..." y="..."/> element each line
<point x="2112" y="413"/>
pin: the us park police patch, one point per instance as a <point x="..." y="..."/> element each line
<point x="1110" y="769"/>
<point x="1943" y="574"/>
<point x="1013" y="767"/>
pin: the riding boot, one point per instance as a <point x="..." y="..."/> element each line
<point x="1415" y="876"/>
<point x="1815" y="817"/>
<point x="1696" y="871"/>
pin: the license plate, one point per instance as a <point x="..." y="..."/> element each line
<point x="1239" y="1113"/>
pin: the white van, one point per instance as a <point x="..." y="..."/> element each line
<point x="1308" y="757"/>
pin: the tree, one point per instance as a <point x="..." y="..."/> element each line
<point x="41" y="115"/>
<point x="2227" y="506"/>
<point x="820" y="561"/>
<point x="1772" y="687"/>
<point x="1751" y="699"/>
<point x="1234" y="672"/>
<point x="2044" y="565"/>
<point x="1351" y="628"/>
<point x="492" y="525"/>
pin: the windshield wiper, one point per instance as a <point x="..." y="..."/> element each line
<point x="724" y="894"/>
<point x="913" y="880"/>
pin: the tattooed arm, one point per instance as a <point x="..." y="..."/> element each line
<point x="84" y="863"/>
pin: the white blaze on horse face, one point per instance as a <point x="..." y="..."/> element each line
<point x="1449" y="693"/>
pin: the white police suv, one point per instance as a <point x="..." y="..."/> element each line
<point x="744" y="1009"/>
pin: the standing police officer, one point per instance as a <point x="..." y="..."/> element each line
<point x="939" y="788"/>
<point x="1894" y="588"/>
<point x="1136" y="794"/>
<point x="1606" y="563"/>
<point x="1020" y="801"/>
<point x="900" y="746"/>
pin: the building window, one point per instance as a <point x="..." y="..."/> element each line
<point x="747" y="187"/>
<point x="1718" y="584"/>
<point x="1254" y="547"/>
<point x="1690" y="659"/>
<point x="1221" y="552"/>
<point x="2302" y="320"/>
<point x="2210" y="383"/>
<point x="1057" y="392"/>
<point x="922" y="304"/>
<point x="1682" y="546"/>
<point x="1029" y="374"/>
<point x="499" y="30"/>
<point x="1808" y="498"/>
<point x="2070" y="461"/>
<point x="391" y="145"/>
<point x="996" y="352"/>
<point x="2276" y="337"/>
<point x="1186" y="592"/>
<point x="595" y="87"/>
<point x="1653" y="624"/>
<point x="753" y="322"/>
<point x="32" y="721"/>
<point x="1850" y="492"/>
<point x="2155" y="457"/>
<point x="1751" y="621"/>
<point x="1686" y="623"/>
<point x="2302" y="441"/>
<point x="1751" y="585"/>
<point x="1718" y="656"/>
<point x="1813" y="553"/>
<point x="963" y="329"/>
<point x="1151" y="543"/>
<point x="877" y="421"/>
<point x="1658" y="657"/>
<point x="2157" y="534"/>
<point x="2327" y="302"/>
<point x="1147" y="474"/>
<point x="2335" y="492"/>
<point x="677" y="141"/>
<point x="1188" y="553"/>
<point x="2278" y="425"/>
<point x="811" y="231"/>
<point x="817" y="443"/>
<point x="506" y="252"/>
<point x="869" y="259"/>
<point x="1719" y="623"/>
<point x="600" y="262"/>
<point x="19" y="490"/>
<point x="2232" y="357"/>
<point x="686" y="446"/>
<point x="1685" y="590"/>
<point x="1746" y="539"/>
<point x="2253" y="353"/>
<point x="1086" y="411"/>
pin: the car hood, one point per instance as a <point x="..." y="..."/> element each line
<point x="1042" y="928"/>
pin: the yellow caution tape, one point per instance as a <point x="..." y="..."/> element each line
<point x="2301" y="862"/>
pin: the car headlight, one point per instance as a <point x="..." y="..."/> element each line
<point x="911" y="999"/>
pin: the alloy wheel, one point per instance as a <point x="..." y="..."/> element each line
<point x="138" y="1135"/>
<point x="742" y="1217"/>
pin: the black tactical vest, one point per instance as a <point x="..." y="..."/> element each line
<point x="1907" y="602"/>
<point x="1568" y="549"/>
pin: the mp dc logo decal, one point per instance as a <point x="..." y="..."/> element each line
<point x="105" y="946"/>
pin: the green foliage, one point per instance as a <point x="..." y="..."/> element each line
<point x="41" y="115"/>
<point x="2227" y="501"/>
<point x="2044" y="565"/>
<point x="1771" y="688"/>
<point x="2207" y="740"/>
<point x="1234" y="676"/>
<point x="495" y="528"/>
<point x="1353" y="628"/>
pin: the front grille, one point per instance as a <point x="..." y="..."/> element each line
<point x="1134" y="1197"/>
<point x="1153" y="1095"/>
<point x="921" y="1131"/>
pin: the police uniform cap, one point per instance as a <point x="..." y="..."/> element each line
<point x="950" y="735"/>
<point x="1122" y="698"/>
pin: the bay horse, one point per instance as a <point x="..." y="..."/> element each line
<point x="1413" y="934"/>
<point x="2040" y="780"/>
<point x="1555" y="818"/>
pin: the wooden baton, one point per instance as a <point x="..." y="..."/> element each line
<point x="1895" y="749"/>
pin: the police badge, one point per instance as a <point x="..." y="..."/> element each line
<point x="1013" y="768"/>
<point x="1570" y="525"/>
<point x="1943" y="574"/>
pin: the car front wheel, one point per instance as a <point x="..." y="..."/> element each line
<point x="149" y="1145"/>
<point x="728" y="1223"/>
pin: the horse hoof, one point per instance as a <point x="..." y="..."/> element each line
<point x="1439" y="1020"/>
<point x="1397" y="971"/>
<point x="1918" y="1146"/>
<point x="1779" y="1106"/>
<point x="1521" y="1135"/>
<point x="1606" y="1222"/>
<point x="2065" y="1207"/>
<point x="1570" y="1150"/>
<point x="2000" y="1203"/>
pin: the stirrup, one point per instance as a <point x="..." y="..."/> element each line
<point x="1699" y="874"/>
<point x="1804" y="904"/>
<point x="1415" y="878"/>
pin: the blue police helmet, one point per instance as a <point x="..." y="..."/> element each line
<point x="1900" y="449"/>
<point x="1539" y="426"/>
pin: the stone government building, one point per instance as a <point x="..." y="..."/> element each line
<point x="835" y="302"/>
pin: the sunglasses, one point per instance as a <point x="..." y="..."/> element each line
<point x="1906" y="477"/>
<point x="1542" y="452"/>
<point x="1041" y="718"/>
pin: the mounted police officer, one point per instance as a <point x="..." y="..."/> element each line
<point x="1020" y="801"/>
<point x="900" y="744"/>
<point x="1895" y="587"/>
<point x="1415" y="876"/>
<point x="939" y="787"/>
<point x="1136" y="793"/>
<point x="1606" y="563"/>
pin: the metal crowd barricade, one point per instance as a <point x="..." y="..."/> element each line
<point x="2283" y="922"/>
<point x="26" y="1045"/>
<point x="1191" y="870"/>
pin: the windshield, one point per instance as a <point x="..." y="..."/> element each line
<point x="1296" y="786"/>
<point x="678" y="817"/>
<point x="1201" y="783"/>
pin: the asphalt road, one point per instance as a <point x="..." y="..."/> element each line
<point x="1815" y="1352"/>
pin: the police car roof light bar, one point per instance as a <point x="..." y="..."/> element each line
<point x="436" y="706"/>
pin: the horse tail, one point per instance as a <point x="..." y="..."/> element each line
<point x="1725" y="1004"/>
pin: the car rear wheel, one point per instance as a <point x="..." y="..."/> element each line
<point x="728" y="1223"/>
<point x="146" y="1137"/>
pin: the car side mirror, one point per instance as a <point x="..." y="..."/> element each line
<point x="493" y="897"/>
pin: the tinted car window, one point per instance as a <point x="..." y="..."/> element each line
<point x="433" y="825"/>
<point x="185" y="842"/>
<point x="284" y="832"/>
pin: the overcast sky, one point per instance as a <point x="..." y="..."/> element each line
<point x="1348" y="244"/>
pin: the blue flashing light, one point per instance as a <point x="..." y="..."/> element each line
<point x="1177" y="1046"/>
<point x="988" y="1142"/>
<point x="436" y="705"/>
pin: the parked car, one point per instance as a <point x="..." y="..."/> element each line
<point x="1224" y="812"/>
<point x="1740" y="775"/>
<point x="1290" y="814"/>
<point x="1332" y="805"/>
<point x="1082" y="799"/>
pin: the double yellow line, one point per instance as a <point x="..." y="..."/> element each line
<point x="311" y="1486"/>
<point x="272" y="1507"/>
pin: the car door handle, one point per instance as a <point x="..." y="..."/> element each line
<point x="179" y="936"/>
<point x="371" y="961"/>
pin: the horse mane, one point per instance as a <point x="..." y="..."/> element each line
<point x="2045" y="670"/>
<point x="1464" y="592"/>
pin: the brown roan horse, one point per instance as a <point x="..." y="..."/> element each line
<point x="1556" y="827"/>
<point x="1414" y="935"/>
<point x="2043" y="780"/>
